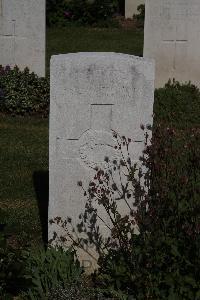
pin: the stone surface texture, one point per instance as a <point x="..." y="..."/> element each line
<point x="22" y="34"/>
<point x="131" y="7"/>
<point x="172" y="38"/>
<point x="91" y="95"/>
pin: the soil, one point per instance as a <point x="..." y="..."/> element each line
<point x="127" y="23"/>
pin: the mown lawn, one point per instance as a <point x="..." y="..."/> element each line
<point x="83" y="39"/>
<point x="24" y="141"/>
<point x="23" y="175"/>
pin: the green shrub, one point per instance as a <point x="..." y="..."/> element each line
<point x="55" y="12"/>
<point x="80" y="11"/>
<point x="177" y="105"/>
<point x="50" y="269"/>
<point x="35" y="274"/>
<point x="75" y="292"/>
<point x="23" y="93"/>
<point x="162" y="261"/>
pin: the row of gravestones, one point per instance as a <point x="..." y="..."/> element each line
<point x="171" y="36"/>
<point x="94" y="94"/>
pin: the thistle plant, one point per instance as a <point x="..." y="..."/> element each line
<point x="151" y="250"/>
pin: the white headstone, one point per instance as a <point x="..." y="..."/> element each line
<point x="131" y="7"/>
<point x="22" y="34"/>
<point x="91" y="95"/>
<point x="172" y="38"/>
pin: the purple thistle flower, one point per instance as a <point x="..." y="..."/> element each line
<point x="67" y="14"/>
<point x="7" y="68"/>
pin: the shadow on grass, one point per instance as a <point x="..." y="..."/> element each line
<point x="41" y="185"/>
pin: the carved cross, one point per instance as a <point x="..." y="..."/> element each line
<point x="101" y="117"/>
<point x="93" y="145"/>
<point x="175" y="31"/>
<point x="177" y="43"/>
<point x="7" y="40"/>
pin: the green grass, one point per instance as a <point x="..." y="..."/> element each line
<point x="83" y="39"/>
<point x="23" y="157"/>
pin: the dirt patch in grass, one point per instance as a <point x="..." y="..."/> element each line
<point x="127" y="23"/>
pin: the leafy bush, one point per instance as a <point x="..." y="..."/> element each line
<point x="75" y="292"/>
<point x="177" y="105"/>
<point x="140" y="17"/>
<point x="23" y="93"/>
<point x="80" y="11"/>
<point x="35" y="274"/>
<point x="50" y="269"/>
<point x="166" y="251"/>
<point x="162" y="196"/>
<point x="55" y="12"/>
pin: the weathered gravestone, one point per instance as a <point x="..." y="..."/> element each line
<point x="91" y="95"/>
<point x="22" y="34"/>
<point x="131" y="7"/>
<point x="172" y="38"/>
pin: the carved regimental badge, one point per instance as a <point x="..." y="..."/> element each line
<point x="95" y="145"/>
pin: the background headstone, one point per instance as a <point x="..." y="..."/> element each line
<point x="131" y="7"/>
<point x="91" y="95"/>
<point x="172" y="38"/>
<point x="22" y="34"/>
